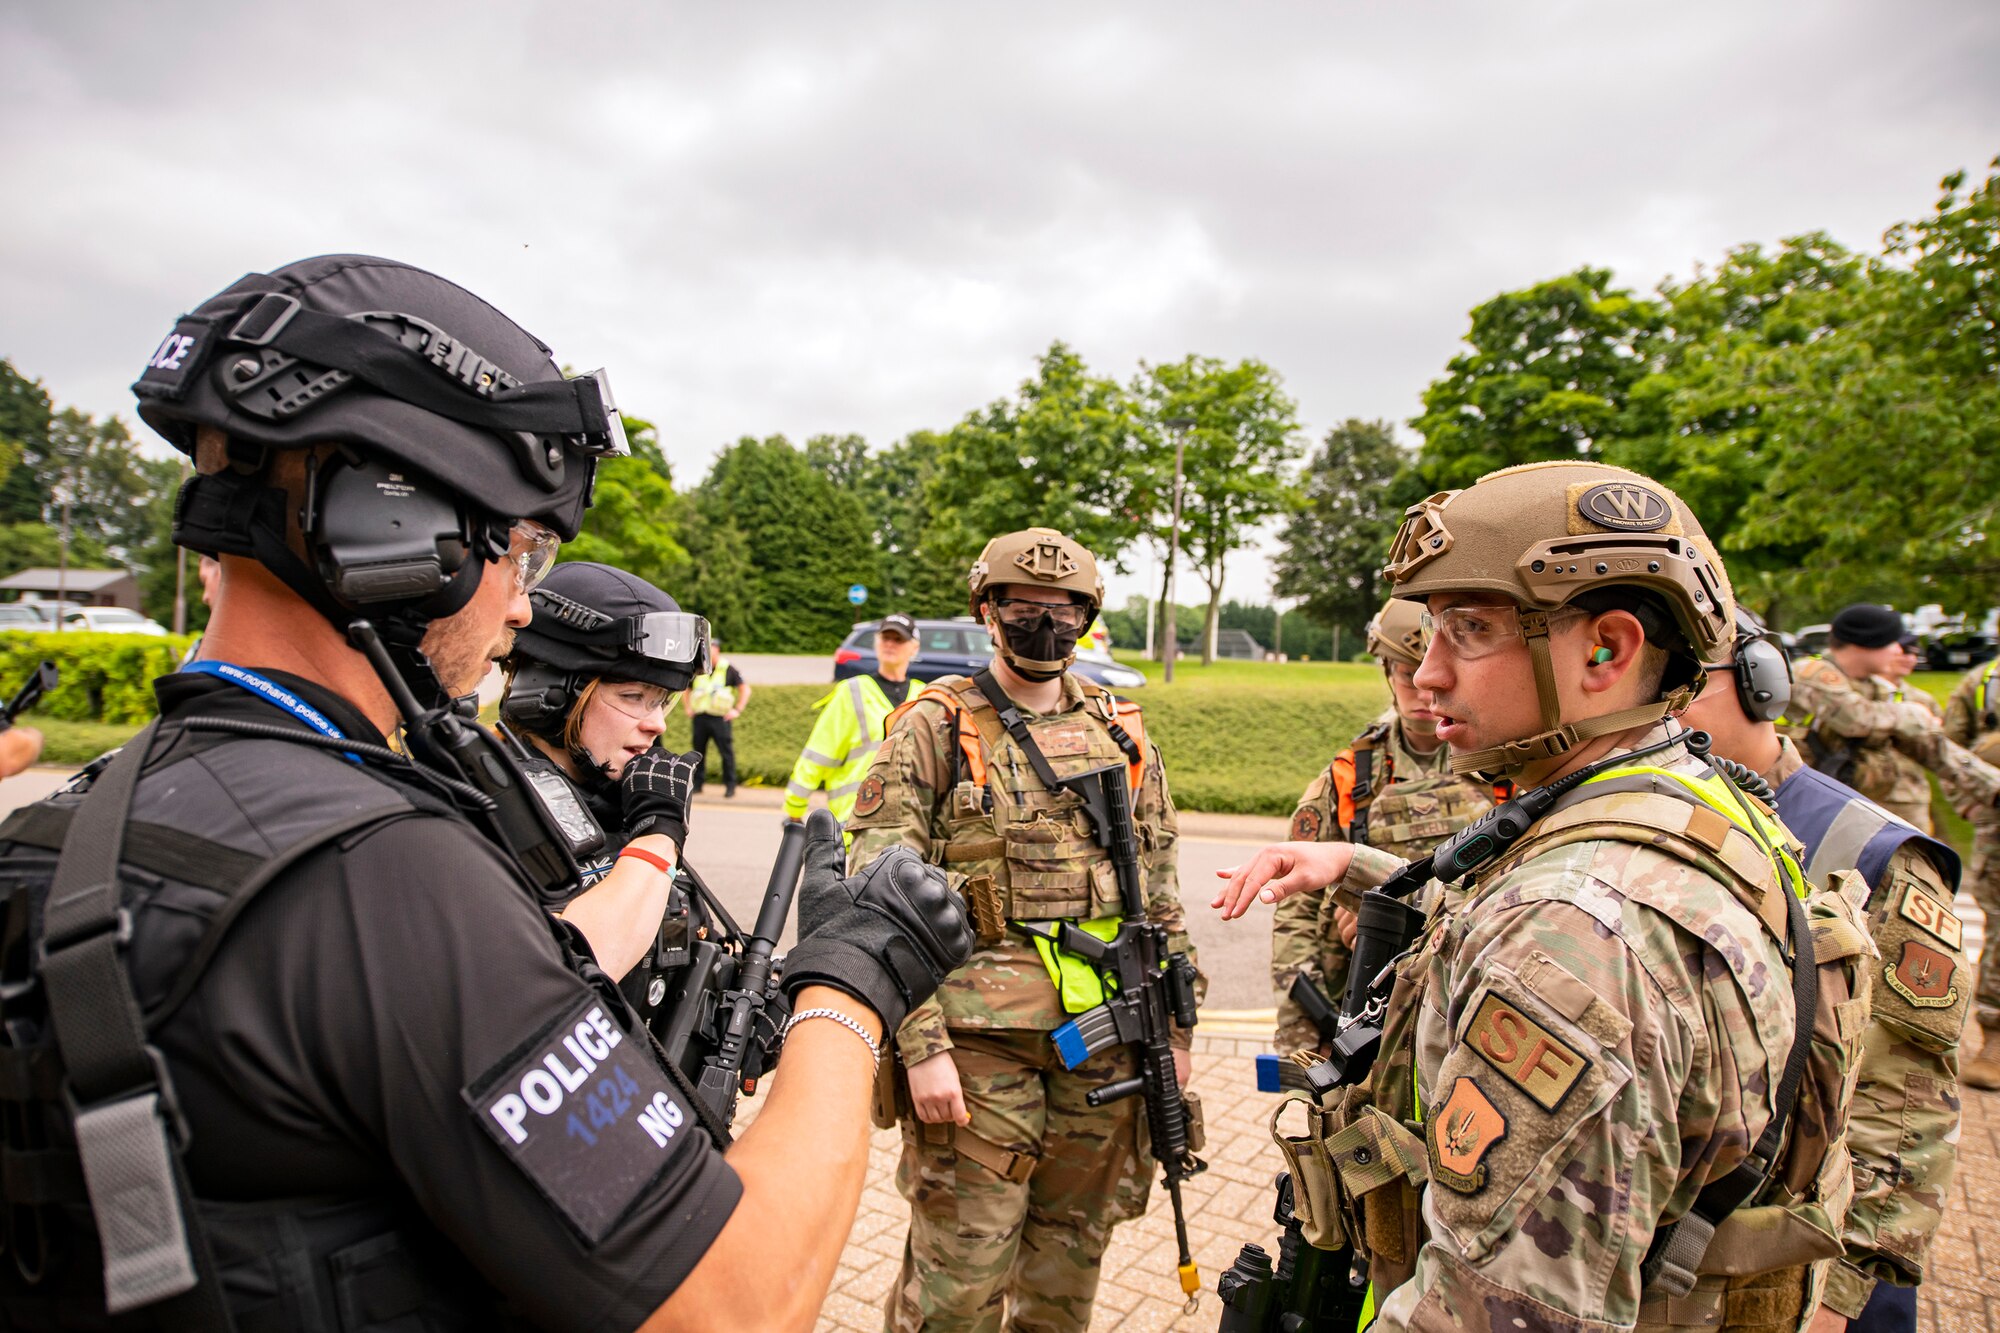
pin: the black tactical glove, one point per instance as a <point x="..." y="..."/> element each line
<point x="653" y="791"/>
<point x="888" y="936"/>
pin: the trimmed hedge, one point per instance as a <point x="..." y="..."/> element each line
<point x="1231" y="746"/>
<point x="105" y="677"/>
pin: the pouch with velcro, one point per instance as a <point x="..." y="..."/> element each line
<point x="1382" y="1168"/>
<point x="1315" y="1183"/>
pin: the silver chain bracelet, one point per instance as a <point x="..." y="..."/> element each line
<point x="874" y="1047"/>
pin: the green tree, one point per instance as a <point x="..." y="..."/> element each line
<point x="806" y="542"/>
<point x="722" y="584"/>
<point x="1068" y="451"/>
<point x="25" y="413"/>
<point x="1355" y="488"/>
<point x="892" y="489"/>
<point x="1548" y="375"/>
<point x="635" y="515"/>
<point x="37" y="545"/>
<point x="1237" y="457"/>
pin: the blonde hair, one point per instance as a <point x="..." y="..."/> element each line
<point x="573" y="725"/>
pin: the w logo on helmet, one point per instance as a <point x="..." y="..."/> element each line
<point x="1626" y="506"/>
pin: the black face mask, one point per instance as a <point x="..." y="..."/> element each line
<point x="1039" y="641"/>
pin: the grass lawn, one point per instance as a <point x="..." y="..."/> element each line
<point x="1238" y="737"/>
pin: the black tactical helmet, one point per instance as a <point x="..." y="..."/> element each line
<point x="410" y="368"/>
<point x="595" y="621"/>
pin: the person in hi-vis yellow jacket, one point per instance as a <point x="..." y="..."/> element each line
<point x="851" y="722"/>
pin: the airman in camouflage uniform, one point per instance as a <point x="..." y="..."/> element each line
<point x="1596" y="1035"/>
<point x="1392" y="788"/>
<point x="1972" y="719"/>
<point x="1014" y="1180"/>
<point x="1847" y="726"/>
<point x="1903" y="1126"/>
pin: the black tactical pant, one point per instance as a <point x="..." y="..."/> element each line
<point x="708" y="727"/>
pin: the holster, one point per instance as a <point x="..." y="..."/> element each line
<point x="891" y="1100"/>
<point x="1357" y="1177"/>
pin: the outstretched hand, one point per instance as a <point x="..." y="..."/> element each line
<point x="1279" y="871"/>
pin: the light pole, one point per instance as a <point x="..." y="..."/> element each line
<point x="1180" y="426"/>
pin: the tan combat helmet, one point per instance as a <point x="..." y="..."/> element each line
<point x="1396" y="634"/>
<point x="1039" y="557"/>
<point x="1545" y="534"/>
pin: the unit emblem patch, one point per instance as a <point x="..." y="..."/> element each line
<point x="1923" y="976"/>
<point x="1305" y="825"/>
<point x="869" y="799"/>
<point x="1527" y="1054"/>
<point x="1463" y="1132"/>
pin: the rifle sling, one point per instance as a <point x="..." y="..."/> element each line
<point x="1010" y="718"/>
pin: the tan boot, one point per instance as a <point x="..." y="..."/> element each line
<point x="1984" y="1072"/>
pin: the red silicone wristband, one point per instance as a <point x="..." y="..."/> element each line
<point x="659" y="863"/>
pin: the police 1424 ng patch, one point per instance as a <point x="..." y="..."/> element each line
<point x="586" y="1114"/>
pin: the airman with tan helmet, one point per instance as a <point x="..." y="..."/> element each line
<point x="1014" y="1180"/>
<point x="1391" y="788"/>
<point x="1592" y="1043"/>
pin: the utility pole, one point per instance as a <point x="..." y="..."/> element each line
<point x="62" y="557"/>
<point x="1180" y="427"/>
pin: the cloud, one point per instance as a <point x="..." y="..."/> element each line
<point x="871" y="217"/>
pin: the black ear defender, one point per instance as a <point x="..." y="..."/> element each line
<point x="538" y="699"/>
<point x="380" y="534"/>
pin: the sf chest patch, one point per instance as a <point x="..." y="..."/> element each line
<point x="584" y="1112"/>
<point x="1929" y="915"/>
<point x="1465" y="1129"/>
<point x="1525" y="1053"/>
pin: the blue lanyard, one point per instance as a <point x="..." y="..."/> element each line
<point x="271" y="693"/>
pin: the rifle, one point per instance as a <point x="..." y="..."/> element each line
<point x="722" y="1019"/>
<point x="1150" y="988"/>
<point x="40" y="681"/>
<point x="1330" y="1294"/>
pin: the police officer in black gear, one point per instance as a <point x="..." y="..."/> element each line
<point x="588" y="685"/>
<point x="287" y="1038"/>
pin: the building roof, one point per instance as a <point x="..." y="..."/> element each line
<point x="50" y="580"/>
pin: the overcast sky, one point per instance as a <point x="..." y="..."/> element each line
<point x="835" y="217"/>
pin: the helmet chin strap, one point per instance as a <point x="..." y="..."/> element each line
<point x="1556" y="737"/>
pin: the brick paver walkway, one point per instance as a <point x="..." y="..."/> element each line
<point x="1231" y="1203"/>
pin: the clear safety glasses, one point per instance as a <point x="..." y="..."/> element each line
<point x="1020" y="612"/>
<point x="1472" y="632"/>
<point x="641" y="703"/>
<point x="531" y="549"/>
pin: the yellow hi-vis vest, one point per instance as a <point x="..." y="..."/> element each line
<point x="852" y="721"/>
<point x="711" y="694"/>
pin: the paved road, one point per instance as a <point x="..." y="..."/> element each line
<point x="734" y="847"/>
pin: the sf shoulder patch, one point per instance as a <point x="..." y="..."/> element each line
<point x="1305" y="824"/>
<point x="1928" y="914"/>
<point x="587" y="1116"/>
<point x="1922" y="975"/>
<point x="1463" y="1131"/>
<point x="869" y="799"/>
<point x="1527" y="1054"/>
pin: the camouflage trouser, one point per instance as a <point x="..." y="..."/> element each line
<point x="986" y="1252"/>
<point x="1982" y="881"/>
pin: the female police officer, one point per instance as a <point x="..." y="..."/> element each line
<point x="288" y="1031"/>
<point x="588" y="685"/>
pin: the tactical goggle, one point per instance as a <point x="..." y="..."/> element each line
<point x="671" y="638"/>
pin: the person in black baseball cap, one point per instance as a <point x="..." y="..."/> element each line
<point x="852" y="721"/>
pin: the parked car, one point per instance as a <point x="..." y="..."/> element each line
<point x="1810" y="640"/>
<point x="959" y="647"/>
<point x="22" y="617"/>
<point x="1953" y="646"/>
<point x="111" y="620"/>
